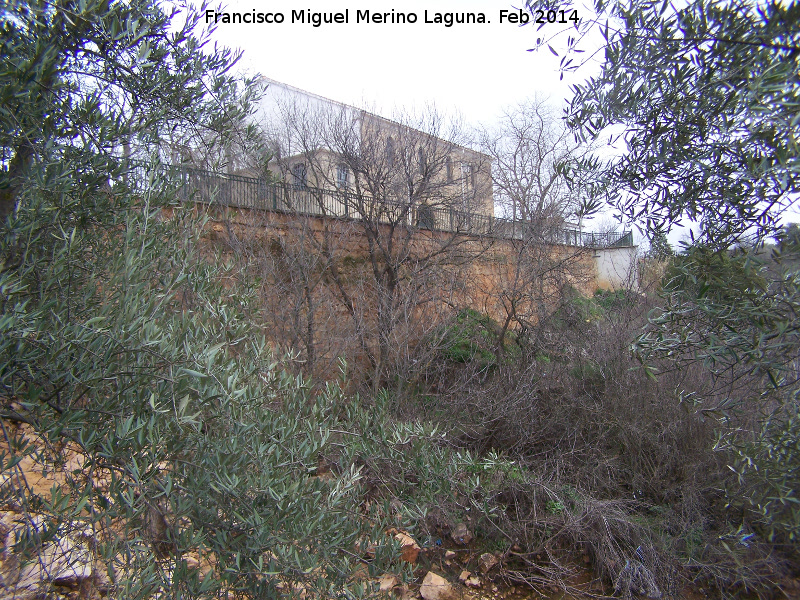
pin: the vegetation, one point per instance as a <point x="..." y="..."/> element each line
<point x="127" y="371"/>
<point x="707" y="96"/>
<point x="185" y="459"/>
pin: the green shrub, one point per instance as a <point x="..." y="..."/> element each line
<point x="587" y="370"/>
<point x="125" y="348"/>
<point x="153" y="372"/>
<point x="615" y="300"/>
<point x="473" y="336"/>
<point x="468" y="338"/>
<point x="734" y="313"/>
<point x="768" y="469"/>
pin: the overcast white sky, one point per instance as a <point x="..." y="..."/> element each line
<point x="471" y="69"/>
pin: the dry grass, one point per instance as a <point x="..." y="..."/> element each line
<point x="612" y="464"/>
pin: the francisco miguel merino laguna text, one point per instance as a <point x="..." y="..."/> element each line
<point x="316" y="19"/>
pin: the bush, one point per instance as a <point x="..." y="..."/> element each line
<point x="471" y="337"/>
<point x="190" y="440"/>
<point x="613" y="463"/>
<point x="180" y="459"/>
<point x="768" y="470"/>
<point x="733" y="314"/>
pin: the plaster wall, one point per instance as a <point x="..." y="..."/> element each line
<point x="616" y="268"/>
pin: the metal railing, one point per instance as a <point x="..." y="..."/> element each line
<point x="239" y="191"/>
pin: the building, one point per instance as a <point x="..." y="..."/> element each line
<point x="339" y="160"/>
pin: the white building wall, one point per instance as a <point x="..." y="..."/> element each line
<point x="617" y="268"/>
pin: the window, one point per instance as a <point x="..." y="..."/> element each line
<point x="390" y="151"/>
<point x="426" y="219"/>
<point x="449" y="165"/>
<point x="421" y="160"/>
<point x="342" y="176"/>
<point x="299" y="176"/>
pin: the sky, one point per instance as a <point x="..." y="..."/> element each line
<point x="473" y="69"/>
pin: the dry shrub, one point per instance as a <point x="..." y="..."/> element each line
<point x="625" y="471"/>
<point x="577" y="402"/>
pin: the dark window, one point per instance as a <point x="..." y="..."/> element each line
<point x="299" y="176"/>
<point x="449" y="170"/>
<point x="466" y="176"/>
<point x="421" y="159"/>
<point x="342" y="177"/>
<point x="425" y="217"/>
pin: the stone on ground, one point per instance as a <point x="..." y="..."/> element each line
<point x="436" y="587"/>
<point x="487" y="561"/>
<point x="461" y="534"/>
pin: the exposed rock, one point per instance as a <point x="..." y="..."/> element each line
<point x="192" y="562"/>
<point x="66" y="561"/>
<point x="403" y="592"/>
<point x="299" y="591"/>
<point x="473" y="582"/>
<point x="9" y="563"/>
<point x="101" y="579"/>
<point x="409" y="549"/>
<point x="461" y="534"/>
<point x="88" y="590"/>
<point x="435" y="587"/>
<point x="449" y="554"/>
<point x="387" y="582"/>
<point x="486" y="562"/>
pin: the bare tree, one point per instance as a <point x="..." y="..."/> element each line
<point x="530" y="149"/>
<point x="391" y="210"/>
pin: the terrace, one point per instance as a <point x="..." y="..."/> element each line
<point x="261" y="194"/>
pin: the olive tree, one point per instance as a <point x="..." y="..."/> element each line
<point x="180" y="460"/>
<point x="704" y="98"/>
